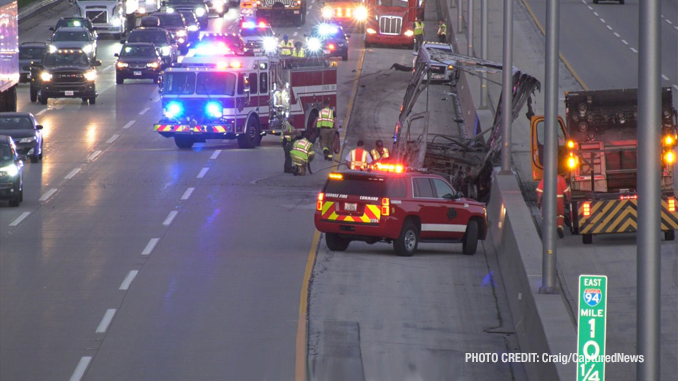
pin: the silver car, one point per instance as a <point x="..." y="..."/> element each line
<point x="74" y="38"/>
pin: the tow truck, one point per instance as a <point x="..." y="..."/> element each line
<point x="226" y="96"/>
<point x="598" y="154"/>
<point x="391" y="22"/>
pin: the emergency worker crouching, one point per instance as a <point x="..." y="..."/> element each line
<point x="358" y="158"/>
<point x="563" y="195"/>
<point x="302" y="155"/>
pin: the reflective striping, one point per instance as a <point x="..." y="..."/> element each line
<point x="619" y="216"/>
<point x="371" y="214"/>
<point x="81" y="368"/>
<point x="455" y="228"/>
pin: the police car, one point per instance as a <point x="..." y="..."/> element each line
<point x="258" y="36"/>
<point x="394" y="205"/>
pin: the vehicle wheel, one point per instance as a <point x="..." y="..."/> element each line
<point x="344" y="57"/>
<point x="336" y="243"/>
<point x="337" y="143"/>
<point x="250" y="138"/>
<point x="93" y="100"/>
<point x="43" y="99"/>
<point x="587" y="239"/>
<point x="670" y="235"/>
<point x="35" y="159"/>
<point x="183" y="142"/>
<point x="14" y="202"/>
<point x="471" y="238"/>
<point x="310" y="126"/>
<point x="407" y="242"/>
<point x="34" y="95"/>
<point x="119" y="80"/>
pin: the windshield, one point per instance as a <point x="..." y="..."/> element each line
<point x="189" y="17"/>
<point x="357" y="186"/>
<point x="15" y="123"/>
<point x="171" y="21"/>
<point x="256" y="32"/>
<point x="179" y="83"/>
<point x="66" y="59"/>
<point x="138" y="51"/>
<point x="31" y="53"/>
<point x="216" y="83"/>
<point x="5" y="153"/>
<point x="71" y="36"/>
<point x="155" y="36"/>
<point x="394" y="3"/>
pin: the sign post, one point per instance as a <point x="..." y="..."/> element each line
<point x="591" y="328"/>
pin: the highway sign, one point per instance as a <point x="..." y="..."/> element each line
<point x="591" y="328"/>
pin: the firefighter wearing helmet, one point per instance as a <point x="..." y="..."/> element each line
<point x="302" y="155"/>
<point x="286" y="46"/>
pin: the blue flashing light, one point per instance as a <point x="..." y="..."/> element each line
<point x="174" y="109"/>
<point x="214" y="109"/>
<point x="327" y="29"/>
<point x="249" y="25"/>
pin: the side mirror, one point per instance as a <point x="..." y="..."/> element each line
<point x="38" y="127"/>
<point x="97" y="63"/>
<point x="116" y="55"/>
<point x="448" y="196"/>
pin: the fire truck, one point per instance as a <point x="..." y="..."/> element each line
<point x="347" y="13"/>
<point x="276" y="10"/>
<point x="391" y="22"/>
<point x="598" y="156"/>
<point x="243" y="97"/>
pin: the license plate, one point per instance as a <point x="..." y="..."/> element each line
<point x="350" y="207"/>
<point x="296" y="12"/>
<point x="68" y="93"/>
<point x="137" y="73"/>
<point x="438" y="76"/>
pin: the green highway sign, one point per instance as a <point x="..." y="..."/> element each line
<point x="591" y="328"/>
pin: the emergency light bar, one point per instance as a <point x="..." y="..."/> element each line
<point x="252" y="24"/>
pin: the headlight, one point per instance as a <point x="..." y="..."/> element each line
<point x="142" y="10"/>
<point x="52" y="48"/>
<point x="45" y="76"/>
<point x="10" y="170"/>
<point x="409" y="33"/>
<point x="360" y="13"/>
<point x="87" y="49"/>
<point x="27" y="140"/>
<point x="91" y="75"/>
<point x="214" y="109"/>
<point x="193" y="28"/>
<point x="181" y="33"/>
<point x="171" y="10"/>
<point x="313" y="44"/>
<point x="327" y="12"/>
<point x="165" y="50"/>
<point x="370" y="31"/>
<point x="153" y="65"/>
<point x="173" y="110"/>
<point x="116" y="21"/>
<point x="200" y="12"/>
<point x="270" y="44"/>
<point x="122" y="64"/>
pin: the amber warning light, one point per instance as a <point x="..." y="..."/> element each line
<point x="319" y="205"/>
<point x="672" y="204"/>
<point x="586" y="207"/>
<point x="385" y="206"/>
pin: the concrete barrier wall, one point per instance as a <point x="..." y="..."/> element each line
<point x="541" y="321"/>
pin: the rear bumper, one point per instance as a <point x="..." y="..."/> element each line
<point x="64" y="90"/>
<point x="137" y="73"/>
<point x="615" y="216"/>
<point x="388" y="228"/>
<point x="202" y="132"/>
<point x="386" y="39"/>
<point x="284" y="13"/>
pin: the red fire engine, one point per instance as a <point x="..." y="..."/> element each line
<point x="243" y="97"/>
<point x="391" y="22"/>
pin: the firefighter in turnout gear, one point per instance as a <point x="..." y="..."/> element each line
<point x="379" y="152"/>
<point x="302" y="155"/>
<point x="325" y="123"/>
<point x="442" y="31"/>
<point x="563" y="194"/>
<point x="418" y="33"/>
<point x="358" y="158"/>
<point x="286" y="46"/>
<point x="289" y="134"/>
<point x="299" y="50"/>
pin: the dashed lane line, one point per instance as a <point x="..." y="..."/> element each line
<point x="129" y="124"/>
<point x="215" y="154"/>
<point x="72" y="173"/>
<point x="170" y="218"/>
<point x="202" y="173"/>
<point x="187" y="194"/>
<point x="150" y="246"/>
<point x="20" y="219"/>
<point x="142" y="112"/>
<point x="128" y="280"/>
<point x="81" y="368"/>
<point x="94" y="155"/>
<point x="106" y="321"/>
<point x="112" y="139"/>
<point x="48" y="194"/>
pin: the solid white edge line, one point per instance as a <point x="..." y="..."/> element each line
<point x="41" y="112"/>
<point x="72" y="173"/>
<point x="48" y="194"/>
<point x="19" y="219"/>
<point x="81" y="368"/>
<point x="150" y="246"/>
<point x="112" y="138"/>
<point x="106" y="320"/>
<point x="187" y="194"/>
<point x="170" y="218"/>
<point x="128" y="280"/>
<point x="142" y="112"/>
<point x="129" y="124"/>
<point x="202" y="173"/>
<point x="215" y="154"/>
<point x="94" y="155"/>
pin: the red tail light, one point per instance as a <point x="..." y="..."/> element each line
<point x="385" y="206"/>
<point x="319" y="205"/>
<point x="587" y="209"/>
<point x="672" y="204"/>
<point x="331" y="47"/>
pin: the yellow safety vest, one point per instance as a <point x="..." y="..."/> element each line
<point x="442" y="29"/>
<point x="287" y="131"/>
<point x="376" y="156"/>
<point x="300" y="53"/>
<point x="286" y="49"/>
<point x="326" y="118"/>
<point x="418" y="27"/>
<point x="302" y="149"/>
<point x="358" y="159"/>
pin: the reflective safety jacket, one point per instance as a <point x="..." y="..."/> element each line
<point x="376" y="156"/>
<point x="288" y="132"/>
<point x="442" y="29"/>
<point x="326" y="118"/>
<point x="302" y="151"/>
<point x="358" y="159"/>
<point x="418" y="28"/>
<point x="286" y="49"/>
<point x="300" y="53"/>
<point x="563" y="194"/>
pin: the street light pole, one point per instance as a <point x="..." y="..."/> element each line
<point x="507" y="90"/>
<point x="483" y="52"/>
<point x="469" y="28"/>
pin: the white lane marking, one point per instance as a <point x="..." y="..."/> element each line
<point x="608" y="27"/>
<point x="624" y="42"/>
<point x="215" y="154"/>
<point x="202" y="173"/>
<point x="669" y="21"/>
<point x="41" y="112"/>
<point x="295" y="33"/>
<point x="170" y="218"/>
<point x="596" y="13"/>
<point x="675" y="27"/>
<point x="107" y="68"/>
<point x="112" y="139"/>
<point x="665" y="77"/>
<point x="602" y="20"/>
<point x="72" y="173"/>
<point x="48" y="194"/>
<point x="81" y="368"/>
<point x="94" y="155"/>
<point x="128" y="280"/>
<point x="129" y="124"/>
<point x="106" y="321"/>
<point x="142" y="112"/>
<point x="616" y="34"/>
<point x="187" y="194"/>
<point x="150" y="246"/>
<point x="298" y="27"/>
<point x="634" y="50"/>
<point x="157" y="99"/>
<point x="20" y="218"/>
<point x="590" y="7"/>
<point x="675" y="87"/>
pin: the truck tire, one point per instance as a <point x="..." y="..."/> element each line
<point x="8" y="100"/>
<point x="183" y="142"/>
<point x="14" y="202"/>
<point x="587" y="239"/>
<point x="337" y="143"/>
<point x="595" y="1"/>
<point x="119" y="80"/>
<point x="311" y="130"/>
<point x="670" y="235"/>
<point x="406" y="244"/>
<point x="336" y="243"/>
<point x="251" y="136"/>
<point x="470" y="243"/>
<point x="43" y="99"/>
<point x="93" y="100"/>
<point x="33" y="95"/>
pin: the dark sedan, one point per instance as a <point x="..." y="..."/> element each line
<point x="176" y="25"/>
<point x="138" y="60"/>
<point x="25" y="131"/>
<point x="11" y="172"/>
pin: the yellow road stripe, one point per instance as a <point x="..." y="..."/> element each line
<point x="300" y="350"/>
